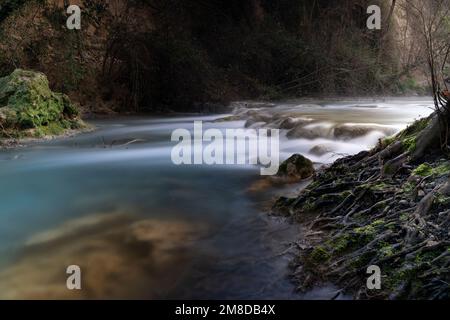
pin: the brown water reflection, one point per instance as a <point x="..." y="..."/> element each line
<point x="120" y="255"/>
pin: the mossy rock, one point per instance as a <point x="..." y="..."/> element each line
<point x="297" y="167"/>
<point x="29" y="108"/>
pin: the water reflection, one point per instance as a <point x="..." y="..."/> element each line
<point x="120" y="255"/>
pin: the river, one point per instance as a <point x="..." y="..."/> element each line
<point x="112" y="202"/>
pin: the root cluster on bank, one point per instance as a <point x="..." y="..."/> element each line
<point x="388" y="207"/>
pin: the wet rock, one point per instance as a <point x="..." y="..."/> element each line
<point x="404" y="203"/>
<point x="297" y="167"/>
<point x="254" y="116"/>
<point x="348" y="132"/>
<point x="309" y="131"/>
<point x="228" y="119"/>
<point x="286" y="123"/>
<point x="321" y="150"/>
<point x="257" y="125"/>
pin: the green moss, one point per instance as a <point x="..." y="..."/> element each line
<point x="414" y="128"/>
<point x="441" y="170"/>
<point x="442" y="200"/>
<point x="386" y="250"/>
<point x="309" y="205"/>
<point x="397" y="276"/>
<point x="408" y="137"/>
<point x="320" y="254"/>
<point x="378" y="223"/>
<point x="408" y="187"/>
<point x="29" y="107"/>
<point x="381" y="186"/>
<point x="424" y="170"/>
<point x="388" y="141"/>
<point x="368" y="232"/>
<point x="341" y="244"/>
<point x="426" y="257"/>
<point x="409" y="144"/>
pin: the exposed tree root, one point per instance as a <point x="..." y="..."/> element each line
<point x="388" y="207"/>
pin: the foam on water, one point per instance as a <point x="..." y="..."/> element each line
<point x="53" y="184"/>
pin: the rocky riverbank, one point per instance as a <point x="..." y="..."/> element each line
<point x="387" y="207"/>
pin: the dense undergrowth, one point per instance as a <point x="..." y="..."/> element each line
<point x="160" y="55"/>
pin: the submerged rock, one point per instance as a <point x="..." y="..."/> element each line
<point x="310" y="131"/>
<point x="297" y="167"/>
<point x="284" y="123"/>
<point x="321" y="149"/>
<point x="349" y="131"/>
<point x="29" y="108"/>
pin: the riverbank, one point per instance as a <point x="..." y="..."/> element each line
<point x="17" y="143"/>
<point x="375" y="209"/>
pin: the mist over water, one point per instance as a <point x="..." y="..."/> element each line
<point x="113" y="202"/>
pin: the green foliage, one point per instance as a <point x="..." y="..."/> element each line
<point x="193" y="52"/>
<point x="409" y="85"/>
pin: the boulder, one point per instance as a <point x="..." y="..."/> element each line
<point x="288" y="123"/>
<point x="29" y="108"/>
<point x="284" y="123"/>
<point x="297" y="167"/>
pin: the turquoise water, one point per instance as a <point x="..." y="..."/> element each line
<point x="78" y="200"/>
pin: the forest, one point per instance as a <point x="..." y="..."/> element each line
<point x="189" y="54"/>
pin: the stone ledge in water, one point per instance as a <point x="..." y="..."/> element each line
<point x="28" y="108"/>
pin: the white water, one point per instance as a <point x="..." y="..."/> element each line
<point x="48" y="187"/>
